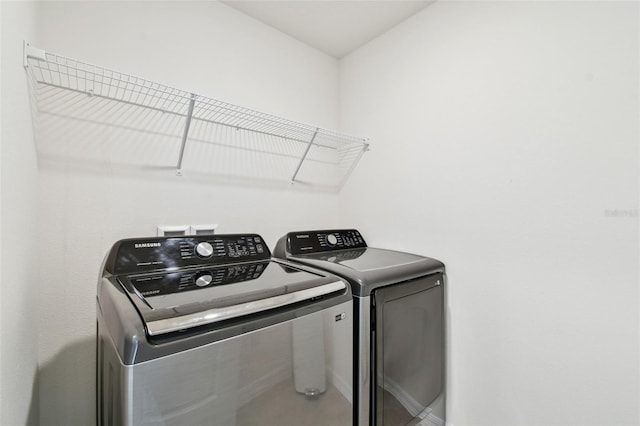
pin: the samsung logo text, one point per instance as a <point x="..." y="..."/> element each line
<point x="146" y="245"/>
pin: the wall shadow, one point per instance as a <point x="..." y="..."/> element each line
<point x="67" y="387"/>
<point x="33" y="417"/>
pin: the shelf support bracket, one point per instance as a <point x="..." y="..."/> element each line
<point x="187" y="124"/>
<point x="29" y="51"/>
<point x="365" y="148"/>
<point x="293" y="179"/>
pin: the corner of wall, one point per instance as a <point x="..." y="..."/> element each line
<point x="19" y="189"/>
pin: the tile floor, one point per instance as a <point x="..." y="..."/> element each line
<point x="283" y="406"/>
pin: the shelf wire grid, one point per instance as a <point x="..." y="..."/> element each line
<point x="66" y="87"/>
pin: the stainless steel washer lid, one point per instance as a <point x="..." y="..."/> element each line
<point x="181" y="283"/>
<point x="345" y="253"/>
<point x="175" y="301"/>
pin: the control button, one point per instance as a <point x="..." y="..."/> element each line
<point x="332" y="240"/>
<point x="204" y="249"/>
<point x="204" y="280"/>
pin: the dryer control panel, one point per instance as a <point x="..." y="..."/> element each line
<point x="326" y="240"/>
<point x="147" y="254"/>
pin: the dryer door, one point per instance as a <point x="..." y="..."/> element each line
<point x="409" y="347"/>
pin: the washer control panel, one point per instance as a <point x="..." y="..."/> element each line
<point x="147" y="254"/>
<point x="327" y="240"/>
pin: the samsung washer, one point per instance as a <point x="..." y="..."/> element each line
<point x="399" y="301"/>
<point x="209" y="330"/>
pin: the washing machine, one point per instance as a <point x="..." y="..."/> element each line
<point x="399" y="337"/>
<point x="210" y="330"/>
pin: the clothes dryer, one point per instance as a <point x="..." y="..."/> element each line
<point x="399" y="338"/>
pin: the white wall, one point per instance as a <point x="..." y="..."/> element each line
<point x="203" y="47"/>
<point x="504" y="140"/>
<point x="1" y="121"/>
<point x="19" y="189"/>
<point x="516" y="125"/>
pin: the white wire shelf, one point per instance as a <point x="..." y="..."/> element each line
<point x="154" y="123"/>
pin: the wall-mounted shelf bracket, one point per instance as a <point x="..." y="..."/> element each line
<point x="365" y="148"/>
<point x="187" y="124"/>
<point x="306" y="151"/>
<point x="29" y="51"/>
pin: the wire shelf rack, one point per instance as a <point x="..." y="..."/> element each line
<point x="194" y="132"/>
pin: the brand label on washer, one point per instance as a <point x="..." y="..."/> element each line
<point x="146" y="245"/>
<point x="341" y="316"/>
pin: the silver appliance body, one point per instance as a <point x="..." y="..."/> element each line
<point x="399" y="331"/>
<point x="209" y="330"/>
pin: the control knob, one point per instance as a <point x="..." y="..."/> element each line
<point x="332" y="240"/>
<point x="204" y="249"/>
<point x="204" y="280"/>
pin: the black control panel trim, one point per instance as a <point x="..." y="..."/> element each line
<point x="325" y="240"/>
<point x="137" y="255"/>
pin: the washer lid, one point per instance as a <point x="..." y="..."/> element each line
<point x="177" y="300"/>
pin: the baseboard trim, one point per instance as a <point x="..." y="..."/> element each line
<point x="343" y="386"/>
<point x="256" y="388"/>
<point x="413" y="407"/>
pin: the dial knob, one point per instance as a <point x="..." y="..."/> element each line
<point x="204" y="280"/>
<point x="332" y="240"/>
<point x="204" y="249"/>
